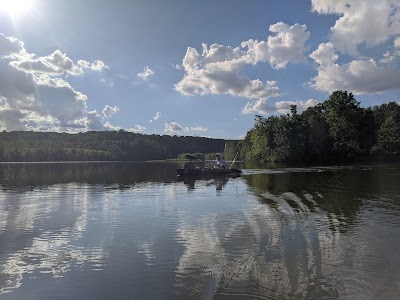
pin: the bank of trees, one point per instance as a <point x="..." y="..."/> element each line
<point x="335" y="130"/>
<point x="100" y="146"/>
<point x="338" y="129"/>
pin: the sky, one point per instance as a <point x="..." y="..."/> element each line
<point x="191" y="68"/>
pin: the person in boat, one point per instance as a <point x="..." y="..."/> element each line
<point x="190" y="165"/>
<point x="220" y="161"/>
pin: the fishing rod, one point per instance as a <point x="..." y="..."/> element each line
<point x="233" y="160"/>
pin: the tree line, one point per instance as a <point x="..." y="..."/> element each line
<point x="336" y="130"/>
<point x="25" y="146"/>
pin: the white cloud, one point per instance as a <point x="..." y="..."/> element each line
<point x="217" y="69"/>
<point x="10" y="45"/>
<point x="137" y="129"/>
<point x="155" y="118"/>
<point x="361" y="21"/>
<point x="199" y="129"/>
<point x="109" y="126"/>
<point x="363" y="76"/>
<point x="97" y="65"/>
<point x="286" y="46"/>
<point x="284" y="106"/>
<point x="146" y="74"/>
<point x="57" y="63"/>
<point x="60" y="61"/>
<point x="34" y="98"/>
<point x="46" y="80"/>
<point x="108" y="111"/>
<point x="280" y="107"/>
<point x="325" y="54"/>
<point x="90" y="121"/>
<point x="174" y="127"/>
<point x="397" y="43"/>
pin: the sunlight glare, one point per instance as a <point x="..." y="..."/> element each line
<point x="15" y="7"/>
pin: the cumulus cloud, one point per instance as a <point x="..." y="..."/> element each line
<point x="33" y="95"/>
<point x="367" y="22"/>
<point x="112" y="127"/>
<point x="280" y="107"/>
<point x="56" y="63"/>
<point x="175" y="128"/>
<point x="155" y="118"/>
<point x="10" y="45"/>
<point x="138" y="129"/>
<point x="108" y="111"/>
<point x="286" y="46"/>
<point x="146" y="74"/>
<point x="97" y="65"/>
<point x="325" y="54"/>
<point x="217" y="69"/>
<point x="361" y="76"/>
<point x="91" y="121"/>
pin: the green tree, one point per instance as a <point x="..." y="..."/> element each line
<point x="289" y="137"/>
<point x="389" y="135"/>
<point x="233" y="149"/>
<point x="367" y="131"/>
<point x="261" y="139"/>
<point x="318" y="142"/>
<point x="343" y="115"/>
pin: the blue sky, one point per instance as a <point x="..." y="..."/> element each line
<point x="182" y="67"/>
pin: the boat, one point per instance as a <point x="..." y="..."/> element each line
<point x="208" y="172"/>
<point x="195" y="168"/>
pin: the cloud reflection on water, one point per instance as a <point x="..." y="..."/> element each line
<point x="33" y="250"/>
<point x="283" y="235"/>
<point x="277" y="251"/>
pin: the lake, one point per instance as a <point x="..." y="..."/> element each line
<point x="136" y="231"/>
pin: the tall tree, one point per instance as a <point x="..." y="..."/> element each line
<point x="260" y="139"/>
<point x="343" y="115"/>
<point x="389" y="135"/>
<point x="367" y="130"/>
<point x="318" y="141"/>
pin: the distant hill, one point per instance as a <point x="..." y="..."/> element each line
<point x="25" y="146"/>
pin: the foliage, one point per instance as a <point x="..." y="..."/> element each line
<point x="100" y="146"/>
<point x="389" y="135"/>
<point x="199" y="156"/>
<point x="335" y="130"/>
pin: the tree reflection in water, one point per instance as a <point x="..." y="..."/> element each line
<point x="218" y="181"/>
<point x="107" y="230"/>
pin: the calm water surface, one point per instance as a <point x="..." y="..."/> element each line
<point x="134" y="231"/>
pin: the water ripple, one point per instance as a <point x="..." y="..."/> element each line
<point x="292" y="234"/>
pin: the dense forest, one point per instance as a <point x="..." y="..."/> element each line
<point x="23" y="146"/>
<point x="335" y="130"/>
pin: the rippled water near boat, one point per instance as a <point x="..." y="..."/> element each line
<point x="135" y="231"/>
